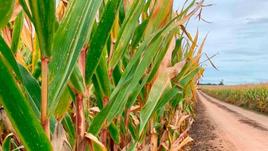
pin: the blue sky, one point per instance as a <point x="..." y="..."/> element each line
<point x="239" y="35"/>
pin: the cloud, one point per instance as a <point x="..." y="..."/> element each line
<point x="238" y="32"/>
<point x="257" y="20"/>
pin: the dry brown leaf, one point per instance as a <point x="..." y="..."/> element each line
<point x="4" y="119"/>
<point x="134" y="108"/>
<point x="135" y="119"/>
<point x="17" y="9"/>
<point x="95" y="140"/>
<point x="62" y="6"/>
<point x="153" y="138"/>
<point x="26" y="35"/>
<point x="59" y="139"/>
<point x="179" y="145"/>
<point x="6" y="33"/>
<point x="94" y="109"/>
<point x="182" y="119"/>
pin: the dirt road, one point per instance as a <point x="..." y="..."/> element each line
<point x="225" y="127"/>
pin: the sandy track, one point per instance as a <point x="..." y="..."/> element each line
<point x="231" y="128"/>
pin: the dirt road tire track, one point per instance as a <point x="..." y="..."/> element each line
<point x="206" y="136"/>
<point x="224" y="127"/>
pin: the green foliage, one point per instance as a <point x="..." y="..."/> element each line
<point x="6" y="8"/>
<point x="70" y="37"/>
<point x="16" y="33"/>
<point x="118" y="72"/>
<point x="18" y="110"/>
<point x="42" y="14"/>
<point x="99" y="38"/>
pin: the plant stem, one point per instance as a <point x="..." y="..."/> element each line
<point x="80" y="123"/>
<point x="104" y="132"/>
<point x="44" y="96"/>
<point x="153" y="137"/>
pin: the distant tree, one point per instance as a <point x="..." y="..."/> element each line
<point x="221" y="83"/>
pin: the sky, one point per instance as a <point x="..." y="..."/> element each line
<point x="238" y="35"/>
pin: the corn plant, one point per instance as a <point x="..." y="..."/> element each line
<point x="97" y="74"/>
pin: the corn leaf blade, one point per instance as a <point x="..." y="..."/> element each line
<point x="68" y="42"/>
<point x="16" y="32"/>
<point x="44" y="20"/>
<point x="6" y="8"/>
<point x="31" y="132"/>
<point x="126" y="32"/>
<point x="157" y="90"/>
<point x="100" y="37"/>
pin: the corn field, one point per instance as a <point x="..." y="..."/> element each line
<point x="97" y="74"/>
<point x="254" y="97"/>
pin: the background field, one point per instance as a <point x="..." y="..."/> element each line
<point x="251" y="96"/>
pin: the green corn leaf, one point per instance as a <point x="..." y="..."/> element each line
<point x="37" y="70"/>
<point x="130" y="79"/>
<point x="133" y="146"/>
<point x="98" y="121"/>
<point x="30" y="83"/>
<point x="115" y="133"/>
<point x="77" y="81"/>
<point x="36" y="60"/>
<point x="98" y="91"/>
<point x="6" y="9"/>
<point x="101" y="81"/>
<point x="167" y="96"/>
<point x="44" y="20"/>
<point x="100" y="37"/>
<point x="121" y="13"/>
<point x="187" y="78"/>
<point x="68" y="42"/>
<point x="178" y="99"/>
<point x="117" y="104"/>
<point x="155" y="66"/>
<point x="177" y="52"/>
<point x="33" y="89"/>
<point x="160" y="56"/>
<point x="185" y="69"/>
<point x="69" y="128"/>
<point x="7" y="53"/>
<point x="136" y="92"/>
<point x="134" y="131"/>
<point x="64" y="104"/>
<point x="132" y="65"/>
<point x="25" y="7"/>
<point x="31" y="132"/>
<point x="157" y="90"/>
<point x="16" y="32"/>
<point x="138" y="33"/>
<point x="117" y="73"/>
<point x="126" y="31"/>
<point x="103" y="77"/>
